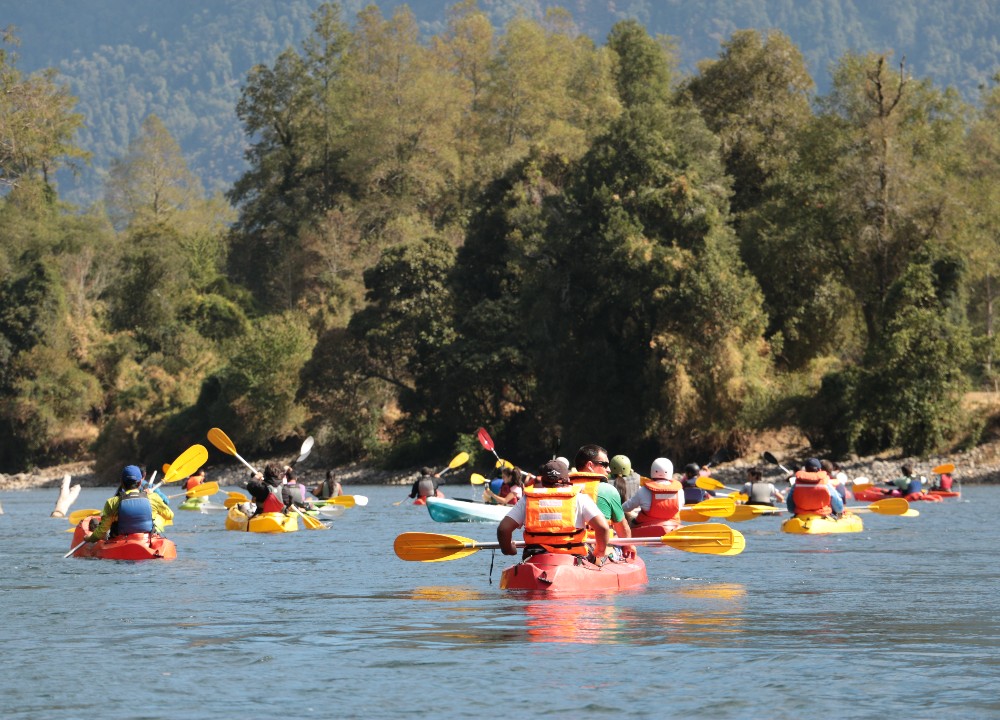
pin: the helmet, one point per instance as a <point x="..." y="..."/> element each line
<point x="621" y="465"/>
<point x="692" y="469"/>
<point x="662" y="469"/>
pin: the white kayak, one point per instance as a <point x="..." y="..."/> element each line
<point x="448" y="510"/>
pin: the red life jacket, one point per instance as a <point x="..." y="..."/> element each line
<point x="273" y="503"/>
<point x="550" y="520"/>
<point x="812" y="493"/>
<point x="666" y="502"/>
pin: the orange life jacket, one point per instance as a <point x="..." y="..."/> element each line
<point x="587" y="482"/>
<point x="666" y="502"/>
<point x="194" y="481"/>
<point x="550" y="520"/>
<point x="812" y="493"/>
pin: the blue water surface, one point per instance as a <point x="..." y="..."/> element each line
<point x="899" y="621"/>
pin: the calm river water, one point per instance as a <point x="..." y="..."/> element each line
<point x="900" y="621"/>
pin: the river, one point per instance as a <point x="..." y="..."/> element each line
<point x="901" y="620"/>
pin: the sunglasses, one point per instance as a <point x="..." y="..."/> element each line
<point x="603" y="463"/>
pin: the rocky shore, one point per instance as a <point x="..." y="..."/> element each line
<point x="977" y="466"/>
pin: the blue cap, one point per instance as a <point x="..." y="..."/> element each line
<point x="812" y="465"/>
<point x="131" y="474"/>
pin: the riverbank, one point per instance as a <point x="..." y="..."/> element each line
<point x="981" y="465"/>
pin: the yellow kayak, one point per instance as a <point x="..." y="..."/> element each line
<point x="264" y="523"/>
<point x="820" y="525"/>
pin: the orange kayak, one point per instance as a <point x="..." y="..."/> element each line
<point x="140" y="546"/>
<point x="559" y="572"/>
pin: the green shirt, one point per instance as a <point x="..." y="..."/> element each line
<point x="609" y="502"/>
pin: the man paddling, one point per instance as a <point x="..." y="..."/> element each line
<point x="592" y="466"/>
<point x="131" y="511"/>
<point x="556" y="516"/>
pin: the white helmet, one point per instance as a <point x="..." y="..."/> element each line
<point x="564" y="461"/>
<point x="662" y="469"/>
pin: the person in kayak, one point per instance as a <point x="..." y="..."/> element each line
<point x="944" y="482"/>
<point x="625" y="480"/>
<point x="759" y="492"/>
<point x="426" y="485"/>
<point x="513" y="484"/>
<point x="692" y="493"/>
<point x="556" y="514"/>
<point x="193" y="481"/>
<point x="130" y="510"/>
<point x="265" y="489"/>
<point x="660" y="499"/>
<point x="910" y="486"/>
<point x="812" y="494"/>
<point x="591" y="472"/>
<point x="294" y="493"/>
<point x="329" y="488"/>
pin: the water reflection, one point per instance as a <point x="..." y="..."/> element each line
<point x="572" y="621"/>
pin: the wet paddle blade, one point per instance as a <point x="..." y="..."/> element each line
<point x="506" y="464"/>
<point x="186" y="463"/>
<point x="203" y="490"/>
<point x="345" y="500"/>
<point x="459" y="460"/>
<point x="707" y="483"/>
<point x="911" y="513"/>
<point x="708" y="539"/>
<point x="240" y="496"/>
<point x="689" y="515"/>
<point x="477" y="479"/>
<point x="890" y="506"/>
<point x="742" y="513"/>
<point x="306" y="448"/>
<point x="715" y="507"/>
<point x="230" y="501"/>
<point x="221" y="441"/>
<point x="77" y="515"/>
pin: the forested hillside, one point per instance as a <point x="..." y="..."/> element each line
<point x="186" y="62"/>
<point x="511" y="226"/>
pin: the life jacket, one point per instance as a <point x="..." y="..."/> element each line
<point x="627" y="485"/>
<point x="425" y="488"/>
<point x="193" y="482"/>
<point x="914" y="487"/>
<point x="293" y="493"/>
<point x="760" y="494"/>
<point x="135" y="513"/>
<point x="692" y="493"/>
<point x="945" y="483"/>
<point x="812" y="493"/>
<point x="587" y="482"/>
<point x="272" y="503"/>
<point x="666" y="502"/>
<point x="550" y="520"/>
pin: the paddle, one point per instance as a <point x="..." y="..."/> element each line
<point x="77" y="515"/>
<point x="238" y="495"/>
<point x="710" y="539"/>
<point x="186" y="464"/>
<point x="487" y="442"/>
<point x="889" y="506"/>
<point x="74" y="549"/>
<point x="774" y="461"/>
<point x="477" y="479"/>
<point x="457" y="461"/>
<point x="307" y="446"/>
<point x="749" y="512"/>
<point x="946" y="469"/>
<point x="201" y="490"/>
<point x="345" y="500"/>
<point x="220" y="440"/>
<point x="231" y="501"/>
<point x="714" y="507"/>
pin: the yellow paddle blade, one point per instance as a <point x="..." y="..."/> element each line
<point x="715" y="507"/>
<point x="707" y="483"/>
<point x="77" y="515"/>
<point x="241" y="496"/>
<point x="203" y="490"/>
<point x="477" y="479"/>
<point x="432" y="547"/>
<point x="458" y="460"/>
<point x="221" y="441"/>
<point x="890" y="506"/>
<point x="186" y="463"/>
<point x="230" y="501"/>
<point x="310" y="522"/>
<point x="689" y="515"/>
<point x="708" y="539"/>
<point x="506" y="464"/>
<point x="345" y="500"/>
<point x="743" y="513"/>
<point x="946" y="469"/>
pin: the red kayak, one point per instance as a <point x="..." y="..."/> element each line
<point x="140" y="546"/>
<point x="656" y="529"/>
<point x="946" y="493"/>
<point x="559" y="572"/>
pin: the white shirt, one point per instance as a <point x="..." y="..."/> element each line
<point x="586" y="510"/>
<point x="644" y="499"/>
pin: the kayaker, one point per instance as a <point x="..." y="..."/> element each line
<point x="623" y="477"/>
<point x="265" y="489"/>
<point x="759" y="492"/>
<point x="130" y="510"/>
<point x="811" y="494"/>
<point x="194" y="481"/>
<point x="591" y="472"/>
<point x="514" y="484"/>
<point x="329" y="488"/>
<point x="692" y="493"/>
<point x="426" y="485"/>
<point x="660" y="498"/>
<point x="910" y="486"/>
<point x="838" y="478"/>
<point x="944" y="482"/>
<point x="557" y="514"/>
<point x="295" y="493"/>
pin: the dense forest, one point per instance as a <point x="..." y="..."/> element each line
<point x="510" y="226"/>
<point x="186" y="62"/>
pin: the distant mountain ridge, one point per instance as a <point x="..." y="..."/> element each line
<point x="125" y="59"/>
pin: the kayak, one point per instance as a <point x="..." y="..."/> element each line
<point x="822" y="525"/>
<point x="447" y="510"/>
<point x="874" y="494"/>
<point x="200" y="504"/>
<point x="139" y="546"/>
<point x="946" y="493"/>
<point x="264" y="523"/>
<point x="423" y="500"/>
<point x="559" y="572"/>
<point x="655" y="529"/>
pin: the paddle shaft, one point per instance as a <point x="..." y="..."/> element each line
<point x="74" y="549"/>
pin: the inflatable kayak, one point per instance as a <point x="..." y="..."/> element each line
<point x="656" y="529"/>
<point x="558" y="572"/>
<point x="945" y="493"/>
<point x="448" y="510"/>
<point x="873" y="495"/>
<point x="264" y="523"/>
<point x="822" y="525"/>
<point x="140" y="546"/>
